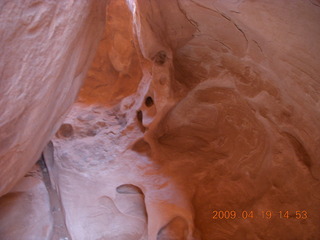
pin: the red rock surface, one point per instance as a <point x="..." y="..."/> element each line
<point x="192" y="107"/>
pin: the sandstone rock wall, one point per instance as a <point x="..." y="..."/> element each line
<point x="116" y="70"/>
<point x="190" y="107"/>
<point x="215" y="124"/>
<point x="47" y="47"/>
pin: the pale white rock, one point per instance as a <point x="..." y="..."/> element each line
<point x="25" y="211"/>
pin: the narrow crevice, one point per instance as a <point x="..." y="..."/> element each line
<point x="301" y="152"/>
<point x="60" y="231"/>
<point x="315" y="3"/>
<point x="140" y="120"/>
<point x="224" y="16"/>
<point x="258" y="46"/>
<point x="177" y="228"/>
<point x="191" y="21"/>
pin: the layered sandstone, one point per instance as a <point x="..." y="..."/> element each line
<point x="192" y="107"/>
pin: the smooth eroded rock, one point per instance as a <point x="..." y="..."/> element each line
<point x="47" y="48"/>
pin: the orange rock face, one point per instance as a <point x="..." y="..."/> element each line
<point x="115" y="72"/>
<point x="198" y="119"/>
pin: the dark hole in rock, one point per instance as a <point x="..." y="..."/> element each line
<point x="141" y="146"/>
<point x="66" y="130"/>
<point x="139" y="116"/>
<point x="129" y="189"/>
<point x="149" y="101"/>
<point x="176" y="229"/>
<point x="160" y="58"/>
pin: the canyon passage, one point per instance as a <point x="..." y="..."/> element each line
<point x="160" y="120"/>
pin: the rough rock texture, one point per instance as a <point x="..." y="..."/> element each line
<point x="115" y="72"/>
<point x="192" y="107"/>
<point x="46" y="49"/>
<point x="215" y="124"/>
<point x="25" y="210"/>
